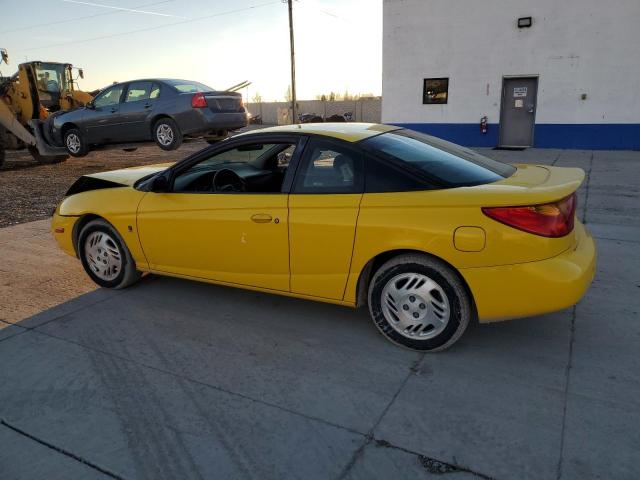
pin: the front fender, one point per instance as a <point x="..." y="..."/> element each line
<point x="118" y="206"/>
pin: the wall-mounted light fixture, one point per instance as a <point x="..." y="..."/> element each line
<point x="525" y="22"/>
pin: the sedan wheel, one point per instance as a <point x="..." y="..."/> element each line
<point x="73" y="143"/>
<point x="105" y="257"/>
<point x="166" y="134"/>
<point x="419" y="302"/>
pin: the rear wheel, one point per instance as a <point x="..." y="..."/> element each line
<point x="419" y="302"/>
<point x="75" y="143"/>
<point x="46" y="159"/>
<point x="105" y="257"/>
<point x="166" y="134"/>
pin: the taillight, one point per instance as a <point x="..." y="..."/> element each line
<point x="198" y="100"/>
<point x="553" y="219"/>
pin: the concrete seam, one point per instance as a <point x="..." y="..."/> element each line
<point x="456" y="468"/>
<point x="24" y="330"/>
<point x="566" y="394"/>
<point x="369" y="435"/>
<point x="60" y="450"/>
<point x="586" y="193"/>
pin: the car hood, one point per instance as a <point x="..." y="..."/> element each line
<point x="129" y="176"/>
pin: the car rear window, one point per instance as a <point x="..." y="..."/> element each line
<point x="184" y="86"/>
<point x="442" y="164"/>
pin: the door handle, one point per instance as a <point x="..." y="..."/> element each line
<point x="147" y="105"/>
<point x="261" y="218"/>
<point x="114" y="110"/>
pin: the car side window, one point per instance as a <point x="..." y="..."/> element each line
<point x="155" y="91"/>
<point x="382" y="175"/>
<point x="249" y="168"/>
<point x="328" y="167"/>
<point x="109" y="97"/>
<point x="138" y="91"/>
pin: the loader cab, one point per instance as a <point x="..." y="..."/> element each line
<point x="49" y="87"/>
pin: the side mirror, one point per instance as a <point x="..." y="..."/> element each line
<point x="81" y="73"/>
<point x="159" y="184"/>
<point x="90" y="105"/>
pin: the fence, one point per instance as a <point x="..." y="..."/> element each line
<point x="278" y="113"/>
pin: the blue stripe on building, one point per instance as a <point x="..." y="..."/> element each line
<point x="608" y="136"/>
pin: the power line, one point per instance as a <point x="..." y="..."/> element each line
<point x="74" y="19"/>
<point x="148" y="29"/>
<point x="123" y="9"/>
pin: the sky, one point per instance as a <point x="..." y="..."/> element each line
<point x="217" y="42"/>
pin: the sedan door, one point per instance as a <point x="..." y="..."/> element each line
<point x="101" y="121"/>
<point x="136" y="108"/>
<point x="323" y="212"/>
<point x="234" y="237"/>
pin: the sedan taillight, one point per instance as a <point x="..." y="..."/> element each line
<point x="198" y="100"/>
<point x="553" y="219"/>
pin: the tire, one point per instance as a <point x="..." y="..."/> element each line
<point x="167" y="134"/>
<point x="74" y="142"/>
<point x="1" y="155"/>
<point x="100" y="244"/>
<point x="431" y="314"/>
<point x="46" y="159"/>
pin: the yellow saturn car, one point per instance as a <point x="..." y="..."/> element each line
<point x="430" y="235"/>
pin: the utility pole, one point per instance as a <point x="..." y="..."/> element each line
<point x="294" y="110"/>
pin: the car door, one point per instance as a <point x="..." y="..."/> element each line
<point x="323" y="211"/>
<point x="101" y="120"/>
<point x="136" y="108"/>
<point x="233" y="237"/>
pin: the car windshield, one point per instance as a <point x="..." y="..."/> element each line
<point x="185" y="86"/>
<point x="443" y="163"/>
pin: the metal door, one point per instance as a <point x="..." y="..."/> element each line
<point x="518" y="111"/>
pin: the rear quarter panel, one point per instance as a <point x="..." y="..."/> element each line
<point x="426" y="221"/>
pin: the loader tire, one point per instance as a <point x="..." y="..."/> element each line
<point x="46" y="160"/>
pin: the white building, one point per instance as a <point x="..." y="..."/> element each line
<point x="545" y="73"/>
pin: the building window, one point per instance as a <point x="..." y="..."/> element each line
<point x="435" y="90"/>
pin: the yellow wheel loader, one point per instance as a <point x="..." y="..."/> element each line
<point x="35" y="93"/>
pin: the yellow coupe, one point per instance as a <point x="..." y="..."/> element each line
<point x="429" y="234"/>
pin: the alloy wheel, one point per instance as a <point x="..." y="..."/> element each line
<point x="73" y="143"/>
<point x="164" y="133"/>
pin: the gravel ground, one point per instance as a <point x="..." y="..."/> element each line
<point x="29" y="191"/>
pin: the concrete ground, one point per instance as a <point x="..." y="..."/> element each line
<point x="173" y="379"/>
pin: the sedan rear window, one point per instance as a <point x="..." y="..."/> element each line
<point x="441" y="163"/>
<point x="184" y="86"/>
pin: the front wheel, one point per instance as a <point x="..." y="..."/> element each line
<point x="75" y="143"/>
<point x="166" y="134"/>
<point x="419" y="302"/>
<point x="105" y="257"/>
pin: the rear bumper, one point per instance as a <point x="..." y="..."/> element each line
<point x="203" y="120"/>
<point x="534" y="288"/>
